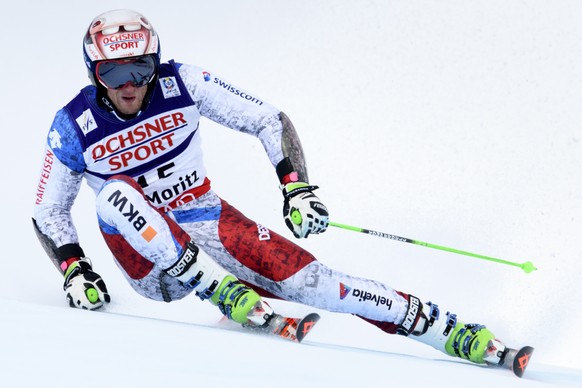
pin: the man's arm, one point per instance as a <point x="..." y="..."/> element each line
<point x="233" y="107"/>
<point x="293" y="161"/>
<point x="59" y="183"/>
<point x="57" y="189"/>
<point x="228" y="104"/>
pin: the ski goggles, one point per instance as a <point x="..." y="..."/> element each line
<point x="115" y="73"/>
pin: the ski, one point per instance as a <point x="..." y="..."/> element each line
<point x="516" y="360"/>
<point x="289" y="328"/>
<point x="263" y="319"/>
<point x="293" y="329"/>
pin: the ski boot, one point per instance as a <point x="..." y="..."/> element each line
<point x="240" y="303"/>
<point x="476" y="343"/>
<point x="472" y="342"/>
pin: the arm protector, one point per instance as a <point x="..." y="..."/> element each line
<point x="58" y="255"/>
<point x="292" y="168"/>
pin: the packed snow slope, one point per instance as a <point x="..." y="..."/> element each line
<point x="452" y="122"/>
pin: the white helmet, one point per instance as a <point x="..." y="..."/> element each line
<point x="119" y="34"/>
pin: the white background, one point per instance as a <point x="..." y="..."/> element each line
<point x="453" y="122"/>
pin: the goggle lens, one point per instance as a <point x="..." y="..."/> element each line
<point x="113" y="74"/>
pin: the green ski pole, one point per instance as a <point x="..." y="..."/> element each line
<point x="527" y="267"/>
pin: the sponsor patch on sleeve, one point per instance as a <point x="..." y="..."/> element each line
<point x="170" y="87"/>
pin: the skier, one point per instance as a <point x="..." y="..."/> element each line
<point x="134" y="135"/>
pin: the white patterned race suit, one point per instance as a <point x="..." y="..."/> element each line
<point x="153" y="196"/>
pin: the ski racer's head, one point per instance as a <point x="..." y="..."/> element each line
<point x="122" y="55"/>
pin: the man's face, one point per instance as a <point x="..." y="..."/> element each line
<point x="128" y="99"/>
<point x="126" y="81"/>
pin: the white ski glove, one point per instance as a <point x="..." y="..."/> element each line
<point x="303" y="211"/>
<point x="85" y="289"/>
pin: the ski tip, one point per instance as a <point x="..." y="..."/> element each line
<point x="305" y="325"/>
<point x="521" y="360"/>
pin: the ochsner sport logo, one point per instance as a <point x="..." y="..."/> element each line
<point x="150" y="138"/>
<point x="363" y="296"/>
<point x="128" y="43"/>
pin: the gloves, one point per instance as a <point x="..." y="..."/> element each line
<point x="303" y="211"/>
<point x="85" y="289"/>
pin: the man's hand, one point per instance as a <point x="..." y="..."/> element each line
<point x="303" y="211"/>
<point x="85" y="289"/>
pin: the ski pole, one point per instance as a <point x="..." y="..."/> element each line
<point x="527" y="267"/>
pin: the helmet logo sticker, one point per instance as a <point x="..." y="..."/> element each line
<point x="124" y="44"/>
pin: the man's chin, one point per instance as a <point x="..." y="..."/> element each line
<point x="128" y="110"/>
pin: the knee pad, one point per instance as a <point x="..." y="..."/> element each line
<point x="130" y="222"/>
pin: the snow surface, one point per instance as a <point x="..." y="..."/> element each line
<point x="453" y="122"/>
